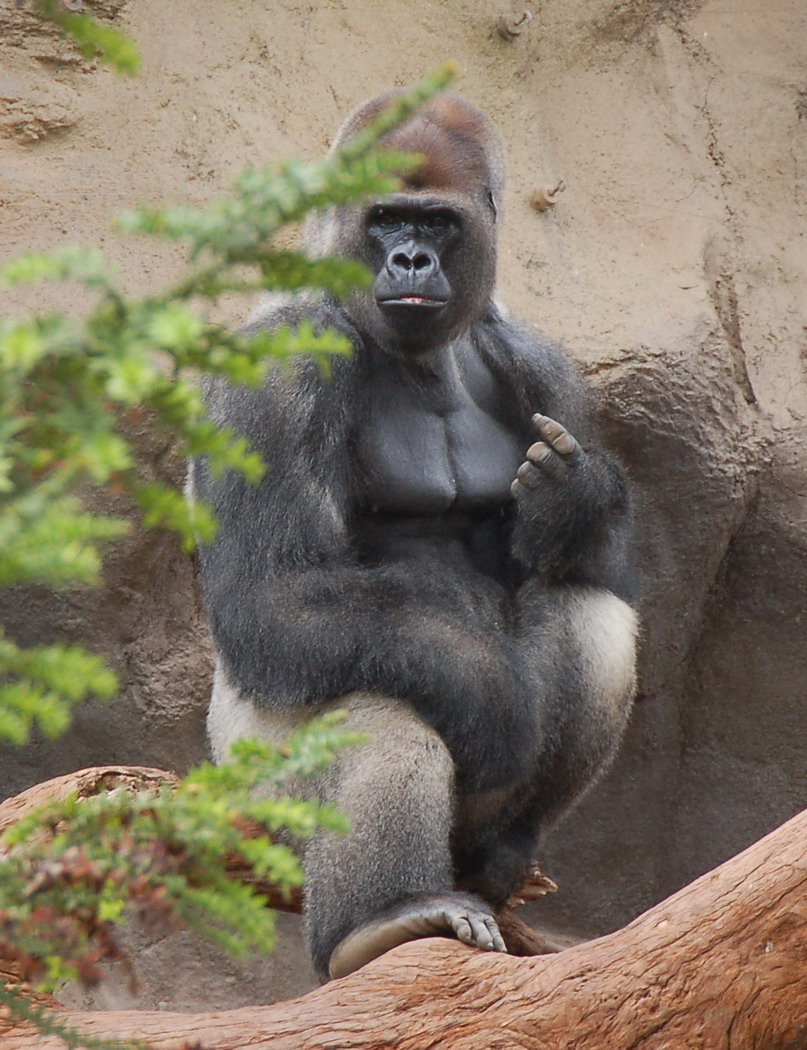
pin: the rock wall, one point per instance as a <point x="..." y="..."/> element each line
<point x="674" y="267"/>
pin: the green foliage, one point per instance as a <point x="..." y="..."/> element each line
<point x="72" y="868"/>
<point x="42" y="682"/>
<point x="70" y="871"/>
<point x="94" y="41"/>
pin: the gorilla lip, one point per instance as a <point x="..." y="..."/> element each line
<point x="412" y="300"/>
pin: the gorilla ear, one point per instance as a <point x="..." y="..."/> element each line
<point x="492" y="203"/>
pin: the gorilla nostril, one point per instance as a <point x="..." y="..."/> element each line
<point x="419" y="262"/>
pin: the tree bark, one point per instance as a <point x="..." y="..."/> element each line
<point x="721" y="965"/>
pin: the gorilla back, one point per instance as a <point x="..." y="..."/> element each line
<point x="438" y="547"/>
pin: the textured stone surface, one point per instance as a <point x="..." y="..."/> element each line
<point x="674" y="266"/>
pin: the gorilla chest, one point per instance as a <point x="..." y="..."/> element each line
<point x="420" y="460"/>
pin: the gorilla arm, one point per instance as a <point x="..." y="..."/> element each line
<point x="573" y="521"/>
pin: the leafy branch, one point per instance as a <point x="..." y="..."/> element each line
<point x="72" y="869"/>
<point x="69" y="388"/>
<point x="110" y="47"/>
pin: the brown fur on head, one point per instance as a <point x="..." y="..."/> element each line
<point x="461" y="148"/>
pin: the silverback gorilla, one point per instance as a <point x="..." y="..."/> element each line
<point x="437" y="547"/>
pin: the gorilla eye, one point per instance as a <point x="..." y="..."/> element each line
<point x="386" y="219"/>
<point x="437" y="222"/>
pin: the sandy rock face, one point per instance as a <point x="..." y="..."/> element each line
<point x="674" y="266"/>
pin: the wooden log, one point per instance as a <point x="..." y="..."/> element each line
<point x="84" y="783"/>
<point x="721" y="965"/>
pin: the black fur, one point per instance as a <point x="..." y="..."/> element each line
<point x="299" y="620"/>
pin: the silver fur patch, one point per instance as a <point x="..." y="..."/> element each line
<point x="607" y="630"/>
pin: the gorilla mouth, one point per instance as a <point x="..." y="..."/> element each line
<point x="413" y="300"/>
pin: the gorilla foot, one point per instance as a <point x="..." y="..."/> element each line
<point x="457" y="915"/>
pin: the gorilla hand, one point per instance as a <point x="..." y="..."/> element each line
<point x="459" y="915"/>
<point x="563" y="496"/>
<point x="552" y="458"/>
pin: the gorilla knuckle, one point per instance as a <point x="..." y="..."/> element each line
<point x="540" y="453"/>
<point x="527" y="475"/>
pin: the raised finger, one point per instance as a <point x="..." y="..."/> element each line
<point x="557" y="436"/>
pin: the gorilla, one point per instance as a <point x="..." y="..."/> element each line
<point x="438" y="547"/>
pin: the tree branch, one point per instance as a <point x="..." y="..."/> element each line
<point x="721" y="965"/>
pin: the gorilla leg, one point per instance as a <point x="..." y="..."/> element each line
<point x="588" y="710"/>
<point x="582" y="668"/>
<point x="390" y="880"/>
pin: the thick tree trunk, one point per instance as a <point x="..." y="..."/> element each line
<point x="721" y="965"/>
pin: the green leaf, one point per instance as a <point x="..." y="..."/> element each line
<point x="70" y="263"/>
<point x="112" y="48"/>
<point x="39" y="685"/>
<point x="166" y="508"/>
<point x="174" y="327"/>
<point x="21" y="347"/>
<point x="130" y="379"/>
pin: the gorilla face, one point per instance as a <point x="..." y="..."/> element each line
<point x="413" y="239"/>
<point x="411" y="242"/>
<point x="433" y="258"/>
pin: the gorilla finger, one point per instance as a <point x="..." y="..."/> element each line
<point x="558" y="437"/>
<point x="463" y="929"/>
<point x="473" y="929"/>
<point x="496" y="937"/>
<point x="547" y="460"/>
<point x="528" y="475"/>
<point x="483" y="938"/>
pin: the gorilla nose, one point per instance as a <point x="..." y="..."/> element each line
<point x="411" y="262"/>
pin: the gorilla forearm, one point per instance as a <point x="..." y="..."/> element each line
<point x="312" y="636"/>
